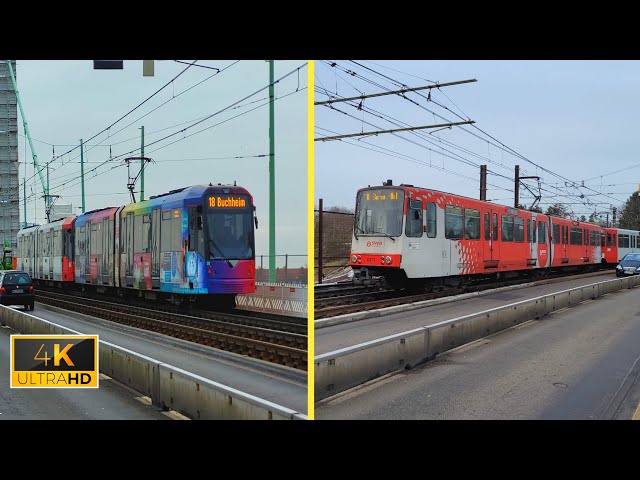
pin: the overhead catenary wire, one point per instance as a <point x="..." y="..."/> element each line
<point x="499" y="144"/>
<point x="67" y="185"/>
<point x="200" y="120"/>
<point x="143" y="116"/>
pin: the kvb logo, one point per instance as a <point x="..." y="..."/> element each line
<point x="374" y="243"/>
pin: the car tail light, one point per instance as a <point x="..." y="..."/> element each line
<point x="31" y="289"/>
<point x="2" y="289"/>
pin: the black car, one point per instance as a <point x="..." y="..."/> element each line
<point x="629" y="265"/>
<point x="16" y="289"/>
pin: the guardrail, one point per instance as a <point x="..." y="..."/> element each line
<point x="168" y="387"/>
<point x="280" y="299"/>
<point x="348" y="367"/>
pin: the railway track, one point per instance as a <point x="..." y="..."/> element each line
<point x="338" y="291"/>
<point x="345" y="304"/>
<point x="228" y="332"/>
<point x="257" y="319"/>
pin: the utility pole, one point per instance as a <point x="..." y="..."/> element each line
<point x="517" y="188"/>
<point x="24" y="189"/>
<point x="320" y="241"/>
<point x="142" y="164"/>
<point x="615" y="210"/>
<point x="82" y="172"/>
<point x="483" y="182"/>
<point x="24" y="185"/>
<point x="47" y="199"/>
<point x="272" y="177"/>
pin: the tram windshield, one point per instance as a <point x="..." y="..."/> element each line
<point x="379" y="212"/>
<point x="230" y="232"/>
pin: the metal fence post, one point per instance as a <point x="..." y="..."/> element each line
<point x="320" y="241"/>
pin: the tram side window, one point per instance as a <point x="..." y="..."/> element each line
<point x="542" y="232"/>
<point x="556" y="233"/>
<point x="623" y="241"/>
<point x="413" y="227"/>
<point x="565" y="235"/>
<point x="529" y="230"/>
<point x="519" y="229"/>
<point x="471" y="224"/>
<point x="575" y="236"/>
<point x="609" y="239"/>
<point x="431" y="220"/>
<point x="453" y="222"/>
<point x="507" y="228"/>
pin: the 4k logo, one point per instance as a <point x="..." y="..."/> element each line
<point x="69" y="361"/>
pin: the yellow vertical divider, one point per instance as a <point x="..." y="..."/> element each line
<point x="310" y="250"/>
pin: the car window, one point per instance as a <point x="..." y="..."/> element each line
<point x="16" y="279"/>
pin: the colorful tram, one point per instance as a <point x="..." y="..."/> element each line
<point x="195" y="243"/>
<point x="416" y="237"/>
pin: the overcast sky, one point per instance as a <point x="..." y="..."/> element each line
<point x="574" y="118"/>
<point x="65" y="101"/>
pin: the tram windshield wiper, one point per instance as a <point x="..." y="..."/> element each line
<point x="216" y="247"/>
<point x="354" y="231"/>
<point x="386" y="235"/>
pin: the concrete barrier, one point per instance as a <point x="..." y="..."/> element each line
<point x="168" y="387"/>
<point x="202" y="399"/>
<point x="348" y="367"/>
<point x="280" y="299"/>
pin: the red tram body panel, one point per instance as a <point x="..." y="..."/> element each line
<point x="404" y="233"/>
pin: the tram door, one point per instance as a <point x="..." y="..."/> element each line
<point x="544" y="245"/>
<point x="532" y="261"/>
<point x="129" y="250"/>
<point x="88" y="250"/>
<point x="155" y="248"/>
<point x="586" y="241"/>
<point x="565" y="243"/>
<point x="491" y="243"/>
<point x="107" y="251"/>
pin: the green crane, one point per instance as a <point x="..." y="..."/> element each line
<point x="36" y="165"/>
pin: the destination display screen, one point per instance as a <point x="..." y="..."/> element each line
<point x="375" y="196"/>
<point x="226" y="202"/>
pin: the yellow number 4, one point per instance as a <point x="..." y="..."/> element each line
<point x="45" y="358"/>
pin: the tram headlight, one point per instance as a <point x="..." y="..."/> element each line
<point x="354" y="259"/>
<point x="387" y="260"/>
